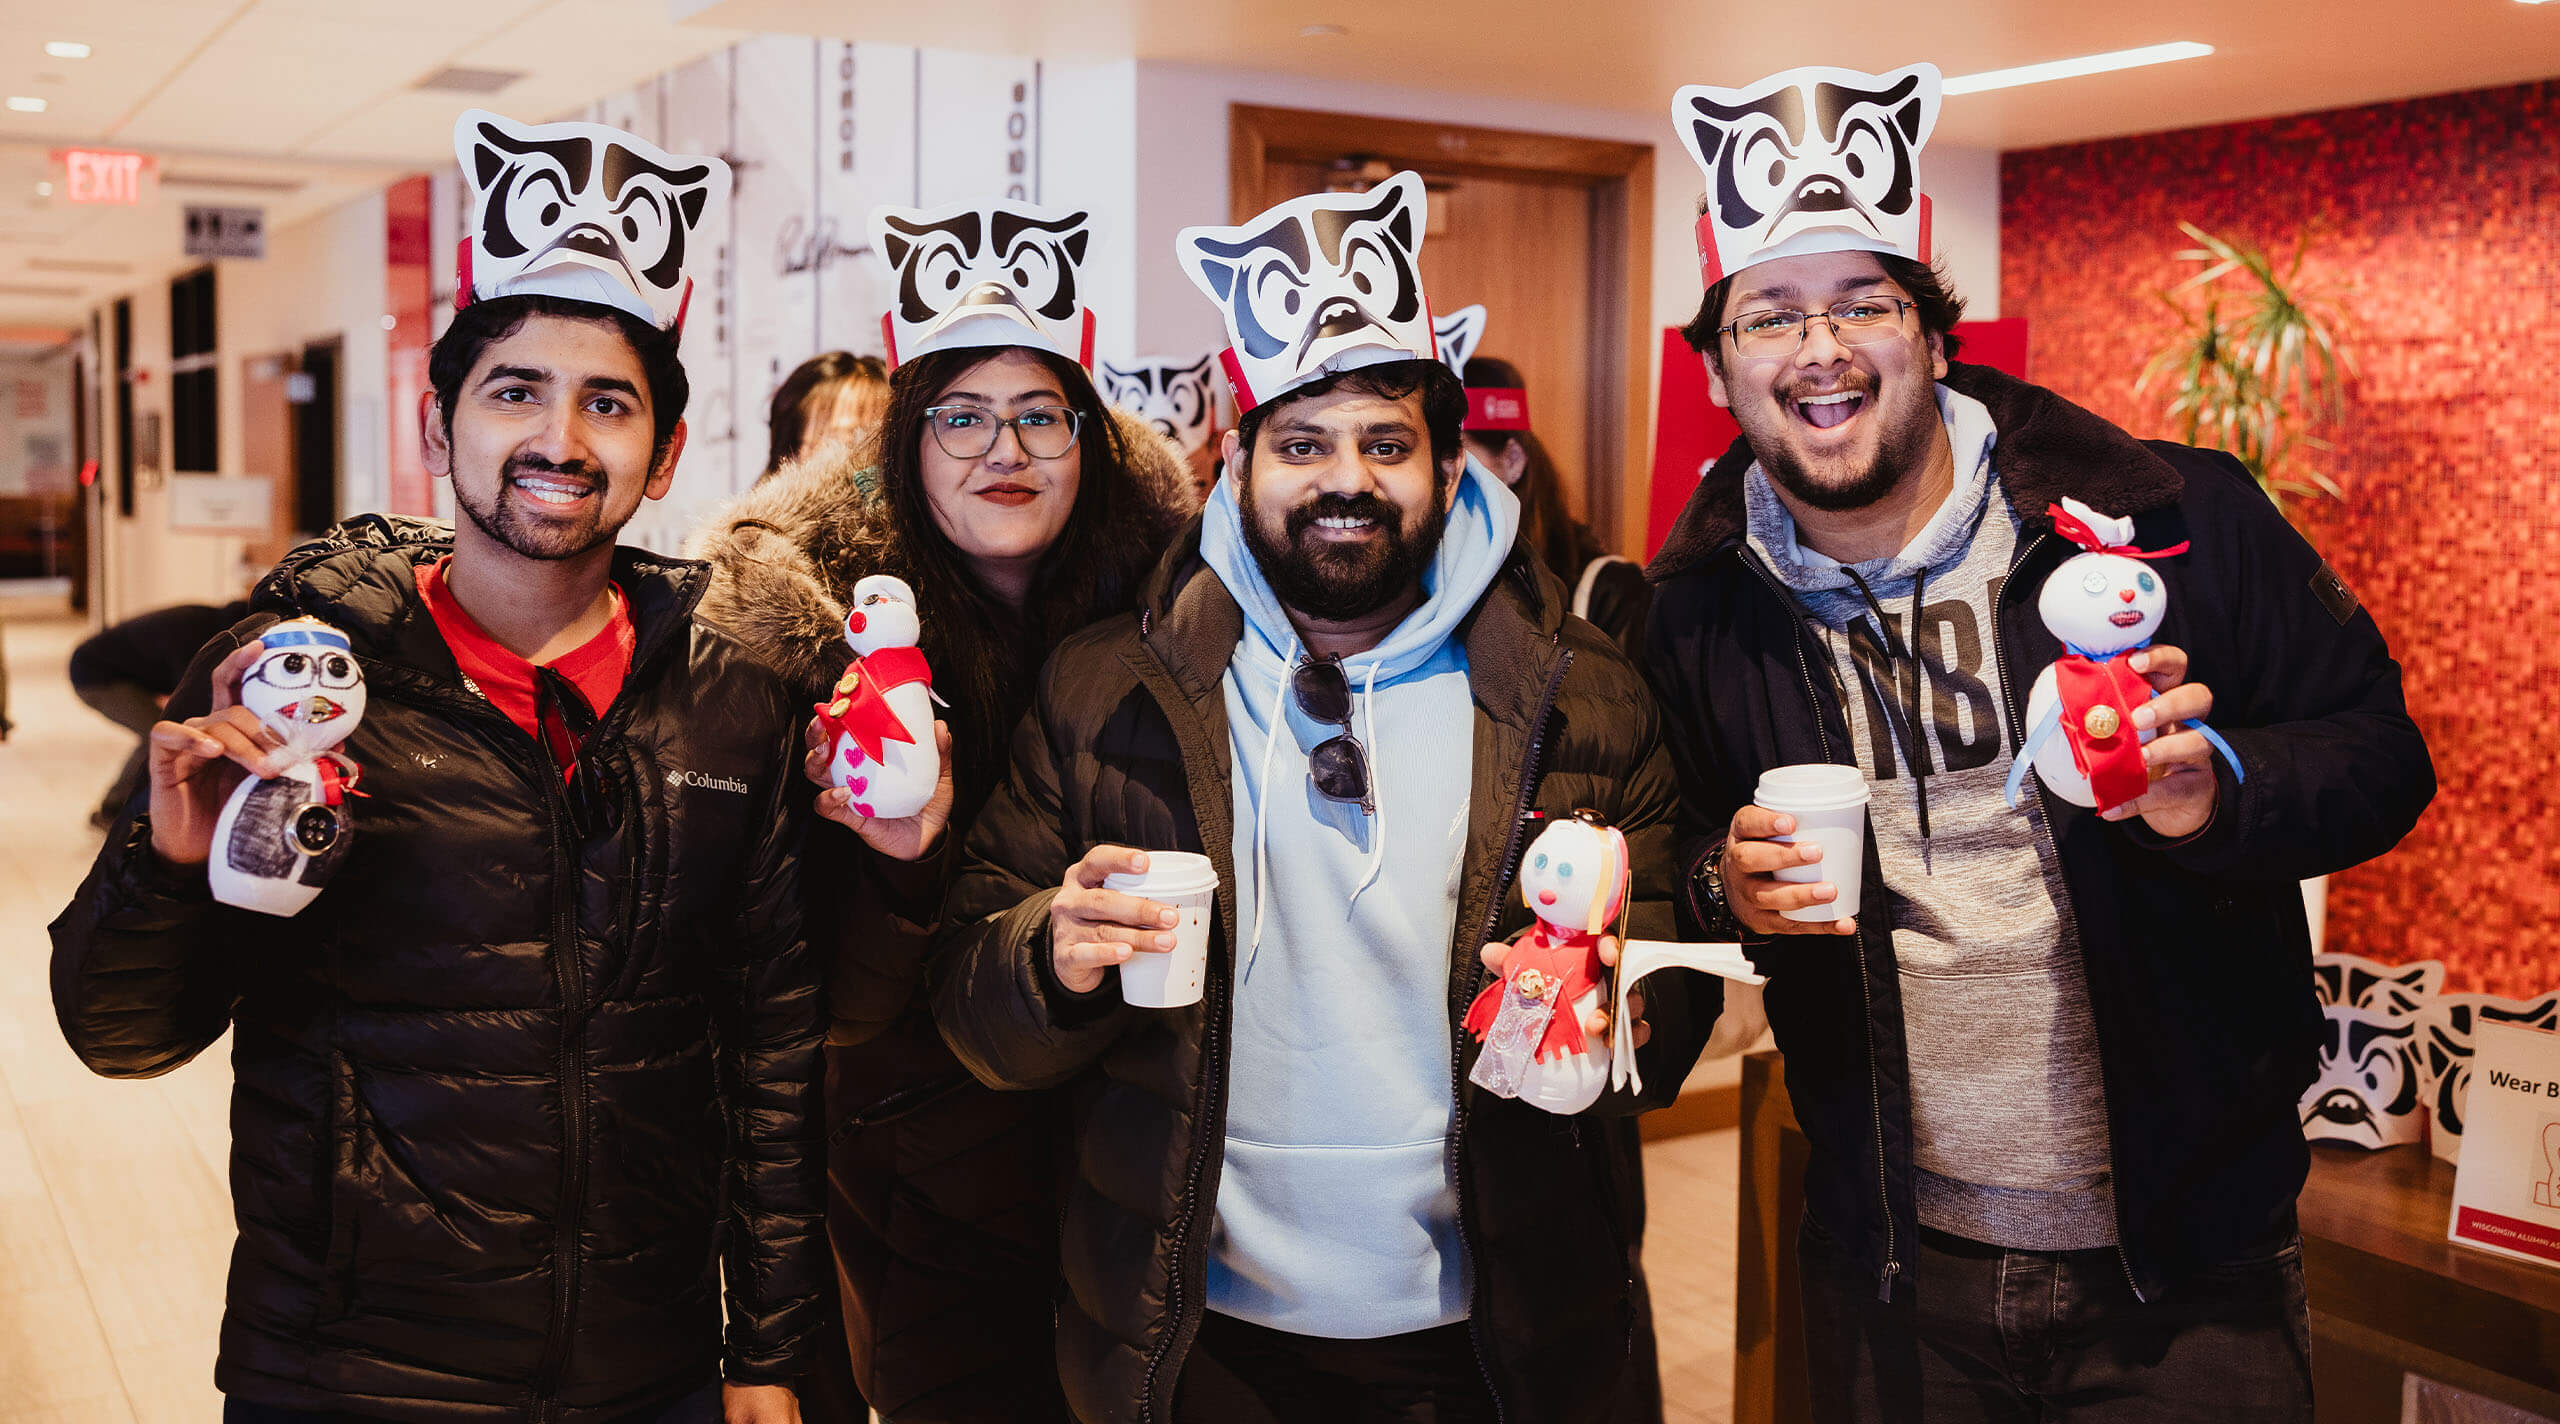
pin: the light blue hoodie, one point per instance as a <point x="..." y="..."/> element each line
<point x="1337" y="1215"/>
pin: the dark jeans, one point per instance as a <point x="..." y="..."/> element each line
<point x="700" y="1407"/>
<point x="1244" y="1374"/>
<point x="1978" y="1332"/>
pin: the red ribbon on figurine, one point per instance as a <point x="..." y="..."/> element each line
<point x="862" y="711"/>
<point x="338" y="778"/>
<point x="2103" y="694"/>
<point x="2070" y="526"/>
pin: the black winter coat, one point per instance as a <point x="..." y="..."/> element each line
<point x="2197" y="950"/>
<point x="538" y="1066"/>
<point x="1127" y="744"/>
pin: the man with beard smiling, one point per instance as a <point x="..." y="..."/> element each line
<point x="1356" y="694"/>
<point x="2050" y="1071"/>
<point x="536" y="1074"/>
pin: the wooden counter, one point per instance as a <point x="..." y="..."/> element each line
<point x="2389" y="1294"/>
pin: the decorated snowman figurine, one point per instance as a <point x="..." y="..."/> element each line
<point x="2104" y="605"/>
<point x="1530" y="1021"/>
<point x="881" y="713"/>
<point x="281" y="837"/>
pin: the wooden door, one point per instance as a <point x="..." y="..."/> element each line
<point x="1552" y="235"/>
<point x="266" y="448"/>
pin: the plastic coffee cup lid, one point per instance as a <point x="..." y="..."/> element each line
<point x="1168" y="872"/>
<point x="1811" y="787"/>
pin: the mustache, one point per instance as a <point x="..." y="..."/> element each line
<point x="1345" y="506"/>
<point x="520" y="465"/>
<point x="1851" y="379"/>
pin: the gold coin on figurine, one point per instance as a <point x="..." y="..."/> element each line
<point x="2102" y="721"/>
<point x="848" y="683"/>
<point x="837" y="707"/>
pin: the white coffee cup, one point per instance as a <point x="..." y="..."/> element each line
<point x="1830" y="806"/>
<point x="1187" y="883"/>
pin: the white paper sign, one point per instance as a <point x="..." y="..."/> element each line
<point x="2506" y="1193"/>
<point x="1640" y="957"/>
<point x="221" y="504"/>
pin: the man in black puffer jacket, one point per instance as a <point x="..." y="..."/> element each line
<point x="538" y="1069"/>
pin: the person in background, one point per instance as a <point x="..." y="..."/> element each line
<point x="530" y="1092"/>
<point x="1019" y="508"/>
<point x="126" y="671"/>
<point x="2050" y="1073"/>
<point x="832" y="401"/>
<point x="1608" y="590"/>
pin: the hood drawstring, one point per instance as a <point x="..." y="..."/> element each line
<point x="1915" y="746"/>
<point x="1272" y="727"/>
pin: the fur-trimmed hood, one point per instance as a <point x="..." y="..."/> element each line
<point x="2048" y="448"/>
<point x="785" y="555"/>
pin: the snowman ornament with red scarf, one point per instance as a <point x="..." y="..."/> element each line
<point x="880" y="715"/>
<point x="2105" y="605"/>
<point x="279" y="838"/>
<point x="1574" y="880"/>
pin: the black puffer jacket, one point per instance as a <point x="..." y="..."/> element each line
<point x="494" y="1086"/>
<point x="1127" y="744"/>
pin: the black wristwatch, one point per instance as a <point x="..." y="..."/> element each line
<point x="1707" y="897"/>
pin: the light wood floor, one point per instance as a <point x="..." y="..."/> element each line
<point x="115" y="1223"/>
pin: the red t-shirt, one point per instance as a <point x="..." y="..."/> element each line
<point x="595" y="668"/>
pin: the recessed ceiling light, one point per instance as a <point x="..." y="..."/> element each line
<point x="66" y="49"/>
<point x="2075" y="68"/>
<point x="1315" y="32"/>
<point x="44" y="189"/>
<point x="21" y="104"/>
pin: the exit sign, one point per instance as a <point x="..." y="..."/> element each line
<point x="97" y="175"/>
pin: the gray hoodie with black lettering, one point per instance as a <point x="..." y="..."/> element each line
<point x="2008" y="1115"/>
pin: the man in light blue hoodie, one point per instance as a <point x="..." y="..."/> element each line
<point x="1357" y="695"/>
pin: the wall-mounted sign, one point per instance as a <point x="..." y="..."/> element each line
<point x="226" y="232"/>
<point x="103" y="175"/>
<point x="221" y="504"/>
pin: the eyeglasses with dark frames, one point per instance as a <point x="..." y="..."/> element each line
<point x="1858" y="321"/>
<point x="968" y="432"/>
<point x="1339" y="766"/>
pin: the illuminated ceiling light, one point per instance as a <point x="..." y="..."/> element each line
<point x="44" y="189"/>
<point x="66" y="49"/>
<point x="2075" y="68"/>
<point x="21" y="104"/>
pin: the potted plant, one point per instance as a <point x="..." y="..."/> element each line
<point x="2255" y="363"/>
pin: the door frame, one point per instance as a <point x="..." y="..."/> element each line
<point x="1619" y="177"/>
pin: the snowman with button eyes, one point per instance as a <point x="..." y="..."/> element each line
<point x="280" y="838"/>
<point x="881" y="712"/>
<point x="1530" y="1020"/>
<point x="2105" y="605"/>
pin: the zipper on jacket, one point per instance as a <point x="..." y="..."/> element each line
<point x="2016" y="708"/>
<point x="568" y="978"/>
<point x="1458" y="1042"/>
<point x="1866" y="989"/>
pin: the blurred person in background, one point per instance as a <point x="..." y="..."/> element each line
<point x="1019" y="508"/>
<point x="1608" y="590"/>
<point x="126" y="671"/>
<point x="832" y="401"/>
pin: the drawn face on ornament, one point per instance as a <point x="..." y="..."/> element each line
<point x="580" y="195"/>
<point x="1570" y="877"/>
<point x="2446" y="1029"/>
<point x="1810" y="149"/>
<point x="306" y="687"/>
<point x="883" y="616"/>
<point x="1316" y="278"/>
<point x="2103" y="603"/>
<point x="956" y="264"/>
<point x="2367" y="1091"/>
<point x="1175" y="397"/>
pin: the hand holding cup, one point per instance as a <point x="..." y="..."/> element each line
<point x="1093" y="927"/>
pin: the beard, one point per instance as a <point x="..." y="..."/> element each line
<point x="1841" y="482"/>
<point x="1336" y="582"/>
<point x="533" y="536"/>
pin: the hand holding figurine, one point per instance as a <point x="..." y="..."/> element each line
<point x="2183" y="790"/>
<point x="1596" y="1022"/>
<point x="900" y="838"/>
<point x="195" y="764"/>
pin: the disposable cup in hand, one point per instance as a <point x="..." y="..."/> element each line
<point x="1829" y="804"/>
<point x="1187" y="884"/>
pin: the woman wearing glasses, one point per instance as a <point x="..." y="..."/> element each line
<point x="1020" y="508"/>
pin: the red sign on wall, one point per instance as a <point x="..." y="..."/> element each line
<point x="98" y="175"/>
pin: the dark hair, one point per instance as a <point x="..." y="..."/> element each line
<point x="1940" y="307"/>
<point x="788" y="416"/>
<point x="482" y="324"/>
<point x="1444" y="400"/>
<point x="986" y="654"/>
<point x="1546" y="525"/>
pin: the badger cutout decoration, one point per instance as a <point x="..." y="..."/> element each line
<point x="984" y="274"/>
<point x="1459" y="333"/>
<point x="1179" y="398"/>
<point x="582" y="211"/>
<point x="1811" y="160"/>
<point x="281" y="837"/>
<point x="880" y="719"/>
<point x="2104" y="605"/>
<point x="1319" y="284"/>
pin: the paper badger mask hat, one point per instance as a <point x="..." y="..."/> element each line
<point x="1324" y="283"/>
<point x="1176" y="396"/>
<point x="582" y="211"/>
<point x="1811" y="160"/>
<point x="984" y="274"/>
<point x="1488" y="407"/>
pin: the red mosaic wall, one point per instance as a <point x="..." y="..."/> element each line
<point x="2438" y="223"/>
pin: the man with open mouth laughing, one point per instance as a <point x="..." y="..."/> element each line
<point x="2054" y="1046"/>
